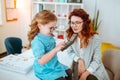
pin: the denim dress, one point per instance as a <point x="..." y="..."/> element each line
<point x="41" y="45"/>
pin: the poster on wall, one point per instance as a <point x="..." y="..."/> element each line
<point x="10" y="3"/>
<point x="11" y="15"/>
<point x="11" y="11"/>
<point x="0" y="12"/>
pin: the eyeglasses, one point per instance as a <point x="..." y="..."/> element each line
<point x="77" y="23"/>
<point x="53" y="28"/>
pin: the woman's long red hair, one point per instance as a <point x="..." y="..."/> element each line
<point x="87" y="31"/>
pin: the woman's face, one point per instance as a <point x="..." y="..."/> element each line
<point x="47" y="29"/>
<point x="76" y="24"/>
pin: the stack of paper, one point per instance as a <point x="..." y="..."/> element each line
<point x="21" y="63"/>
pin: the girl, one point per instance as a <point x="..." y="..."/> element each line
<point x="46" y="65"/>
<point x="86" y="49"/>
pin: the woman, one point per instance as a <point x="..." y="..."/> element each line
<point x="86" y="49"/>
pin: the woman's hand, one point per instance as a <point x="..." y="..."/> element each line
<point x="81" y="67"/>
<point x="84" y="75"/>
<point x="60" y="46"/>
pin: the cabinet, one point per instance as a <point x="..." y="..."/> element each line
<point x="60" y="9"/>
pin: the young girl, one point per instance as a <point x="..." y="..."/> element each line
<point x="86" y="49"/>
<point x="46" y="65"/>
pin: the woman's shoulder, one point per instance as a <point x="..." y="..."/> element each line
<point x="96" y="37"/>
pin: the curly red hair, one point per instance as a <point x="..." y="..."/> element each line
<point x="87" y="29"/>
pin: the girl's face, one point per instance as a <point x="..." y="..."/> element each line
<point x="76" y="24"/>
<point x="47" y="29"/>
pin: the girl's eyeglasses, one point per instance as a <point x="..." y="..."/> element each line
<point x="53" y="28"/>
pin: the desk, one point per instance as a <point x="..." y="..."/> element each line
<point x="10" y="75"/>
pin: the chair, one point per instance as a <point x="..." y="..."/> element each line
<point x="13" y="45"/>
<point x="111" y="60"/>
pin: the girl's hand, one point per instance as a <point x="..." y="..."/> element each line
<point x="60" y="46"/>
<point x="84" y="75"/>
<point x="81" y="67"/>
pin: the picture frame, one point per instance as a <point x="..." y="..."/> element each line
<point x="10" y="10"/>
<point x="0" y="12"/>
<point x="10" y="3"/>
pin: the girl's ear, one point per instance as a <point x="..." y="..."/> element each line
<point x="39" y="25"/>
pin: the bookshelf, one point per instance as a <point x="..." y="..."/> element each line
<point x="61" y="9"/>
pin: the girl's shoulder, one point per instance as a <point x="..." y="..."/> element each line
<point x="36" y="40"/>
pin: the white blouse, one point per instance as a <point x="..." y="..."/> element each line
<point x="78" y="49"/>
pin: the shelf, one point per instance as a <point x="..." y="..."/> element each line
<point x="60" y="9"/>
<point x="60" y="30"/>
<point x="58" y="3"/>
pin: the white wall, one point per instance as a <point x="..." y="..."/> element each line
<point x="109" y="29"/>
<point x="17" y="28"/>
<point x="110" y="16"/>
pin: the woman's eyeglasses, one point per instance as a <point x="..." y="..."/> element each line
<point x="77" y="23"/>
